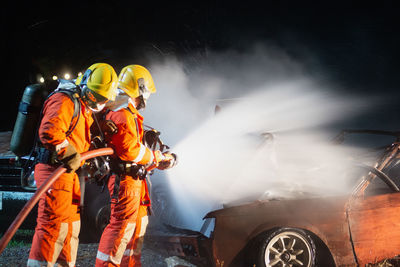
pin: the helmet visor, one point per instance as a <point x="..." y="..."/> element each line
<point x="93" y="100"/>
<point x="143" y="90"/>
<point x="146" y="95"/>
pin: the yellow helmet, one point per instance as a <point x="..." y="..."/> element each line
<point x="101" y="79"/>
<point x="136" y="80"/>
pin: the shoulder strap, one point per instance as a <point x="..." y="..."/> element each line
<point x="136" y="123"/>
<point x="74" y="96"/>
<point x="128" y="109"/>
<point x="115" y="194"/>
<point x="104" y="114"/>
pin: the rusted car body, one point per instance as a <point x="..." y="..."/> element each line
<point x="353" y="230"/>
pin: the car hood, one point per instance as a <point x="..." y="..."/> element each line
<point x="245" y="206"/>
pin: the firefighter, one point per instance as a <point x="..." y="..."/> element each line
<point x="58" y="221"/>
<point x="122" y="239"/>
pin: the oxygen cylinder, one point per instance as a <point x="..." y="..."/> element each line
<point x="26" y="124"/>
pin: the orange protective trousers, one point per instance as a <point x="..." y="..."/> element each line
<point x="133" y="252"/>
<point x="58" y="221"/>
<point x="122" y="239"/>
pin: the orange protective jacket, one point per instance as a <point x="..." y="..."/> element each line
<point x="57" y="229"/>
<point x="57" y="118"/>
<point x="58" y="112"/>
<point x="127" y="143"/>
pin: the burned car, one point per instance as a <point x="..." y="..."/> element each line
<point x="352" y="230"/>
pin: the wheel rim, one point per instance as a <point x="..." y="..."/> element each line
<point x="288" y="249"/>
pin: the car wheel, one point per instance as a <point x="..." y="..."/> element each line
<point x="96" y="212"/>
<point x="103" y="218"/>
<point x="286" y="247"/>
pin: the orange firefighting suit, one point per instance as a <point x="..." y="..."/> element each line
<point x="122" y="239"/>
<point x="58" y="221"/>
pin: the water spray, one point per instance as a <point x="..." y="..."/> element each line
<point x="227" y="153"/>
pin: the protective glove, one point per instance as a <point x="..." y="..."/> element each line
<point x="169" y="161"/>
<point x="70" y="158"/>
<point x="158" y="158"/>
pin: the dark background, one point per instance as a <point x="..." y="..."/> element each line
<point x="355" y="44"/>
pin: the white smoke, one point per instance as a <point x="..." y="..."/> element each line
<point x="269" y="140"/>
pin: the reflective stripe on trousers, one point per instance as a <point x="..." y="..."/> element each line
<point x="116" y="257"/>
<point x="133" y="253"/>
<point x="36" y="263"/>
<point x="67" y="230"/>
<point x="137" y="240"/>
<point x="56" y="235"/>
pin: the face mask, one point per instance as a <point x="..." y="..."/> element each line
<point x="92" y="103"/>
<point x="98" y="108"/>
<point x="142" y="103"/>
<point x="95" y="107"/>
<point x="146" y="95"/>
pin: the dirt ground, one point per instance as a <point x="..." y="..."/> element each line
<point x="18" y="256"/>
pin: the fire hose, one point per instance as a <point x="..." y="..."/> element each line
<point x="43" y="188"/>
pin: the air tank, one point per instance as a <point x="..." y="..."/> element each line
<point x="24" y="132"/>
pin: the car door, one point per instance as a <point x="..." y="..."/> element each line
<point x="374" y="222"/>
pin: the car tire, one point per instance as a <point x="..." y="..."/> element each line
<point x="96" y="213"/>
<point x="285" y="247"/>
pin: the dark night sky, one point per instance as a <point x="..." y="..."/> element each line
<point x="358" y="44"/>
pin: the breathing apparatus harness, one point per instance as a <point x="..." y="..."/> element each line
<point x="151" y="138"/>
<point x="97" y="170"/>
<point x="39" y="153"/>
